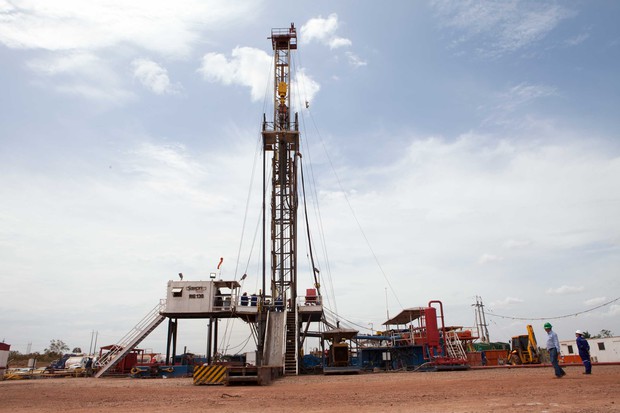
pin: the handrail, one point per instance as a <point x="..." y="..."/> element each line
<point x="131" y="339"/>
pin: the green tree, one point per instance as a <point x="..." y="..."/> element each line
<point x="56" y="347"/>
<point x="17" y="359"/>
<point x="586" y="334"/>
<point x="603" y="334"/>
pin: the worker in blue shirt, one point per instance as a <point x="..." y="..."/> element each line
<point x="245" y="299"/>
<point x="584" y="351"/>
<point x="553" y="347"/>
<point x="279" y="303"/>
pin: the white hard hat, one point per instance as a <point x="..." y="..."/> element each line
<point x="579" y="332"/>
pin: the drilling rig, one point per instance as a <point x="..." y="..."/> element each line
<point x="280" y="318"/>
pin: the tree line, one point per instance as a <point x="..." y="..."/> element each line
<point x="54" y="351"/>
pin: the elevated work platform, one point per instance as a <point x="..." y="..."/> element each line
<point x="311" y="310"/>
<point x="203" y="299"/>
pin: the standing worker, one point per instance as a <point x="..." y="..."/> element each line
<point x="279" y="303"/>
<point x="553" y="347"/>
<point x="584" y="351"/>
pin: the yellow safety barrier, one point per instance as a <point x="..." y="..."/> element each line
<point x="209" y="374"/>
<point x="13" y="376"/>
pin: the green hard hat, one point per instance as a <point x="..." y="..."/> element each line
<point x="547" y="325"/>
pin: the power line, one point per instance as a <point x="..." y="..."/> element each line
<point x="490" y="312"/>
<point x="340" y="317"/>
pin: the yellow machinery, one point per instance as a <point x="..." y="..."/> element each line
<point x="339" y="355"/>
<point x="340" y="360"/>
<point x="524" y="349"/>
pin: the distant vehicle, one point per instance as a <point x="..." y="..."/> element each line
<point x="71" y="362"/>
<point x="77" y="362"/>
<point x="59" y="364"/>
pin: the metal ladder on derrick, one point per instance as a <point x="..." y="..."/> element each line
<point x="290" y="354"/>
<point x="454" y="346"/>
<point x="131" y="339"/>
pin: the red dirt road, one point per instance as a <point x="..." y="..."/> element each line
<point x="480" y="390"/>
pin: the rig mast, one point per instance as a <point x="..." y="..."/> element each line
<point x="281" y="138"/>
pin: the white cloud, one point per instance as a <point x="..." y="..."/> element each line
<point x="81" y="74"/>
<point x="308" y="88"/>
<point x="516" y="100"/>
<point x="251" y="67"/>
<point x="138" y="223"/>
<point x="170" y="171"/>
<point x="355" y="60"/>
<point x="577" y="40"/>
<point x="595" y="301"/>
<point x="247" y="67"/>
<point x="171" y="157"/>
<point x="152" y="25"/>
<point x="614" y="311"/>
<point x="153" y="76"/>
<point x="451" y="199"/>
<point x="323" y="31"/>
<point x="506" y="181"/>
<point x="70" y="35"/>
<point x="489" y="258"/>
<point x="500" y="27"/>
<point x="565" y="289"/>
<point x="506" y="302"/>
<point x="107" y="95"/>
<point x="524" y="93"/>
<point x="68" y="63"/>
<point x="337" y="42"/>
<point x="516" y="244"/>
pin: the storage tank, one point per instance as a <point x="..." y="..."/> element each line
<point x="75" y="362"/>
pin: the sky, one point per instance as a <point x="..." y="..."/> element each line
<point x="451" y="150"/>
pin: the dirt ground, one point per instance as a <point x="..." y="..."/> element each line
<point x="477" y="390"/>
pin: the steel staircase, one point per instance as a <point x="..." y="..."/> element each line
<point x="131" y="339"/>
<point x="290" y="355"/>
<point x="454" y="347"/>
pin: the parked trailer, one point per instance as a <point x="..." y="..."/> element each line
<point x="4" y="358"/>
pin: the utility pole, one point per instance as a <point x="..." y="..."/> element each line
<point x="481" y="322"/>
<point x="387" y="308"/>
<point x="90" y="346"/>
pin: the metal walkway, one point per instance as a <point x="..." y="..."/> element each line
<point x="132" y="339"/>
